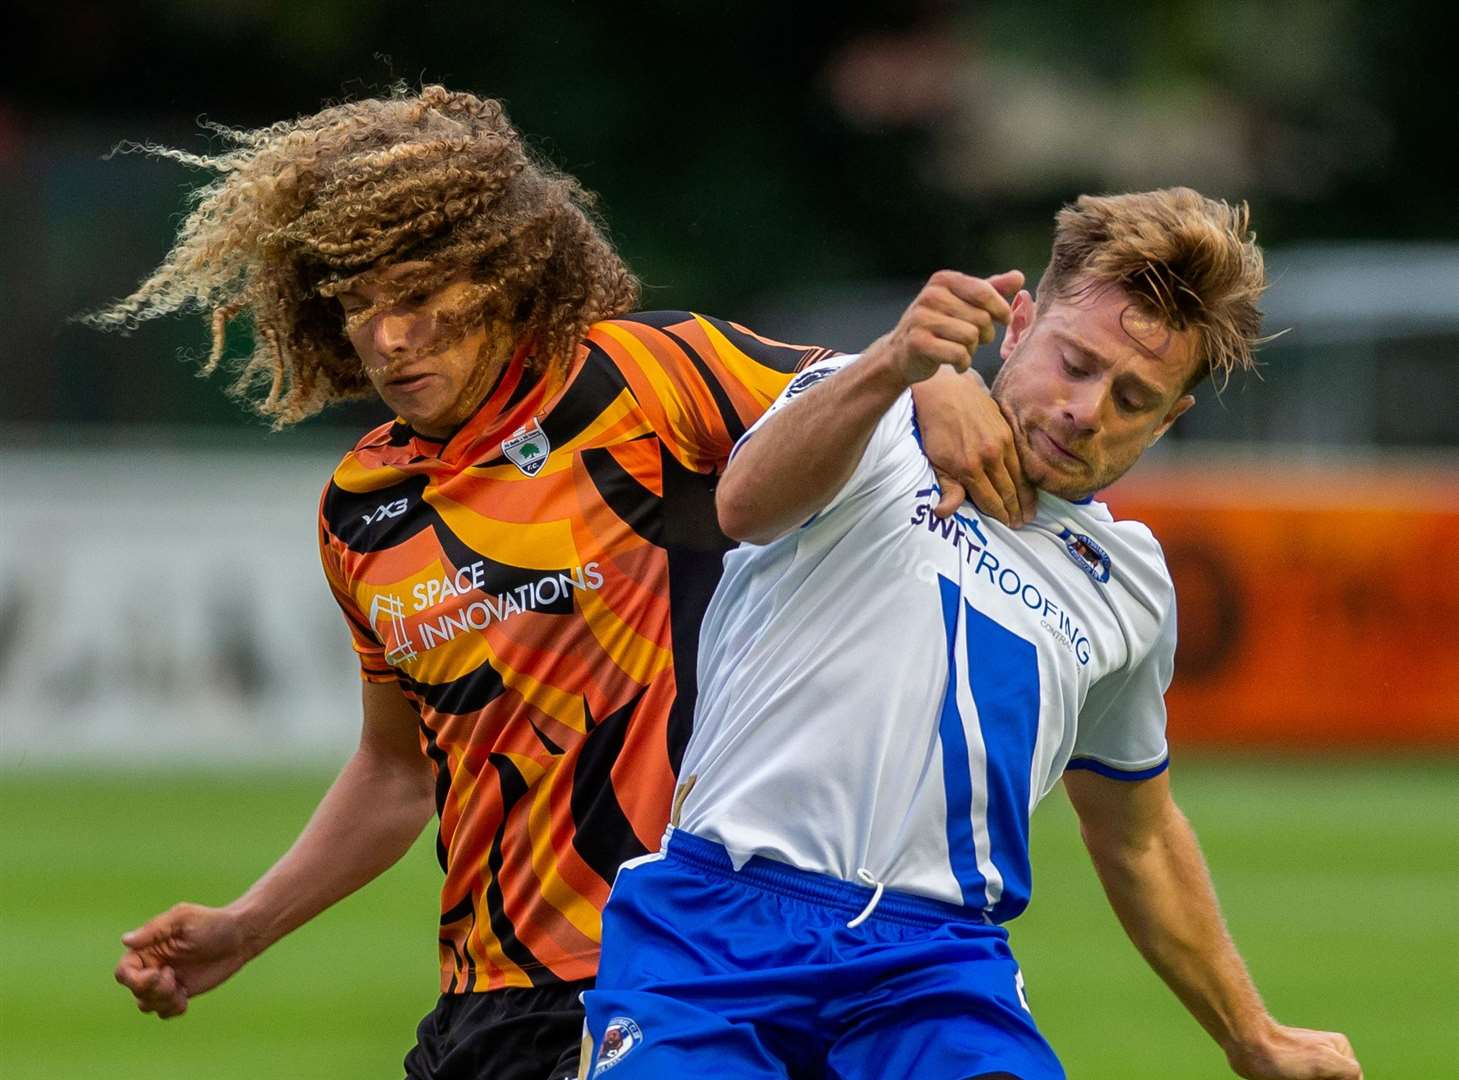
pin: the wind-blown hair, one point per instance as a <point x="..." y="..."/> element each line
<point x="298" y="210"/>
<point x="1190" y="261"/>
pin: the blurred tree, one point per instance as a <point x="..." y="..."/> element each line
<point x="741" y="149"/>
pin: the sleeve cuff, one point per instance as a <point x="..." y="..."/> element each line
<point x="1091" y="765"/>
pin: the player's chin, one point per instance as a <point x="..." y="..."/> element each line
<point x="1066" y="483"/>
<point x="421" y="412"/>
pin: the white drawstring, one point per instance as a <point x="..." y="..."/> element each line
<point x="867" y="876"/>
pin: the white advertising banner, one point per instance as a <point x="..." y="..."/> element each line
<point x="165" y="605"/>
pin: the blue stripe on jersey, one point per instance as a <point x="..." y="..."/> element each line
<point x="1003" y="669"/>
<point x="957" y="780"/>
<point x="1091" y="765"/>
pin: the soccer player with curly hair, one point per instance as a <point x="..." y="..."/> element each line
<point x="523" y="557"/>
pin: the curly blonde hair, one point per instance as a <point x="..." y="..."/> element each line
<point x="301" y="209"/>
<point x="1188" y="260"/>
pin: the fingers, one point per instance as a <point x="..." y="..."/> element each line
<point x="981" y="492"/>
<point x="965" y="334"/>
<point x="947" y="303"/>
<point x="952" y="315"/>
<point x="1007" y="283"/>
<point x="155" y="989"/>
<point x="953" y="494"/>
<point x="153" y="931"/>
<point x="1000" y="490"/>
<point x="991" y="503"/>
<point x="1348" y="1067"/>
<point x="943" y="341"/>
<point x="1025" y="495"/>
<point x="991" y="294"/>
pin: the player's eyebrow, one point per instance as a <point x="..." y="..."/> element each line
<point x="1093" y="355"/>
<point x="1084" y="349"/>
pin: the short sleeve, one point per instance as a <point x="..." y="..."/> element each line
<point x="367" y="646"/>
<point x="1122" y="725"/>
<point x="894" y="444"/>
<point x="701" y="382"/>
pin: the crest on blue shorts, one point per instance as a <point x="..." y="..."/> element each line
<point x="619" y="1039"/>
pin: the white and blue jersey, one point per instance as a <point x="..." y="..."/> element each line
<point x="887" y="692"/>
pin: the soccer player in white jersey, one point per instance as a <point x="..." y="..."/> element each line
<point x="885" y="696"/>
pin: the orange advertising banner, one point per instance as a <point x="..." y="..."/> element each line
<point x="1318" y="604"/>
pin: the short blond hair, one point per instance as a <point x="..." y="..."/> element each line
<point x="1191" y="261"/>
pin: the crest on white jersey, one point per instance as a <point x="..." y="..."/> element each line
<point x="528" y="448"/>
<point x="806" y="379"/>
<point x="1087" y="555"/>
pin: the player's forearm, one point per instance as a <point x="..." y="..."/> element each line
<point x="796" y="462"/>
<point x="1163" y="895"/>
<point x="367" y="820"/>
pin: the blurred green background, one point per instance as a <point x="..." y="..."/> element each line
<point x="1338" y="881"/>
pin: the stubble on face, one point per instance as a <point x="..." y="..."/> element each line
<point x="1071" y="457"/>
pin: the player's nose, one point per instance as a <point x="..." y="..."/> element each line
<point x="391" y="333"/>
<point x="1082" y="410"/>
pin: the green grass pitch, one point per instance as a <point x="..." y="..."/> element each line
<point x="1339" y="879"/>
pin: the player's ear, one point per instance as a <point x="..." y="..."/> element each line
<point x="1182" y="403"/>
<point x="1025" y="310"/>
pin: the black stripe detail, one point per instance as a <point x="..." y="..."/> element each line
<point x="726" y="408"/>
<point x="635" y="505"/>
<point x="461" y="911"/>
<point x="695" y="548"/>
<point x="514" y="787"/>
<point x="525" y="385"/>
<point x="815" y="356"/>
<point x="464" y="979"/>
<point x="443" y="790"/>
<point x="467" y="693"/>
<point x="344" y="518"/>
<point x="550" y="746"/>
<point x="602" y="833"/>
<point x="659" y="320"/>
<point x="777" y="357"/>
<point x="458" y="962"/>
<point x="596" y="386"/>
<point x="346" y="514"/>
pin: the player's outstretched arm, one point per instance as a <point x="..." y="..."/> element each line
<point x="805" y="453"/>
<point x="1152" y="870"/>
<point x="367" y="820"/>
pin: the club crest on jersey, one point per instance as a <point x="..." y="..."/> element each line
<point x="1087" y="555"/>
<point x="528" y="448"/>
<point x="621" y="1036"/>
<point x="806" y="379"/>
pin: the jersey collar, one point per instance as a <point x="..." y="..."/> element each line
<point x="515" y="398"/>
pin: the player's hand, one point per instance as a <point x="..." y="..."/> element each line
<point x="180" y="954"/>
<point x="952" y="315"/>
<point x="971" y="447"/>
<point x="1289" y="1053"/>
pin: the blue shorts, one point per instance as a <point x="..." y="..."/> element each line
<point x="709" y="971"/>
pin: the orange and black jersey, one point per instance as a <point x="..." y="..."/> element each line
<point x="536" y="585"/>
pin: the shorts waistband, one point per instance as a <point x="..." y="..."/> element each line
<point x="709" y="857"/>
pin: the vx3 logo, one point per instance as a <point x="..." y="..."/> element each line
<point x="385" y="510"/>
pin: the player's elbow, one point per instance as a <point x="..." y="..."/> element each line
<point x="741" y="517"/>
